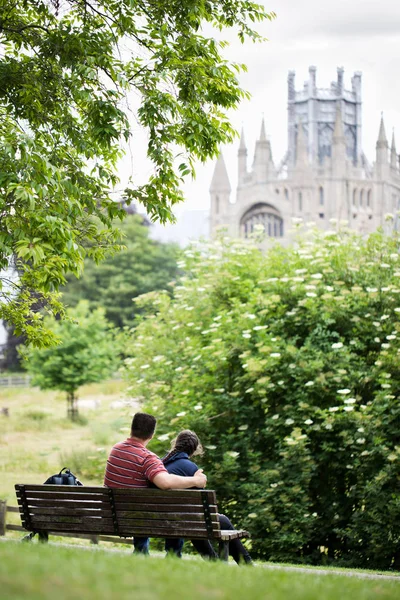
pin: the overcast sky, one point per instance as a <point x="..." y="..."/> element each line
<point x="360" y="35"/>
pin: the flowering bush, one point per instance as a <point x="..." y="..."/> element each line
<point x="287" y="365"/>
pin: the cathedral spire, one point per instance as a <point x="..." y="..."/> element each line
<point x="382" y="145"/>
<point x="393" y="152"/>
<point x="263" y="164"/>
<point x="242" y="145"/>
<point x="220" y="180"/>
<point x="382" y="139"/>
<point x="263" y="137"/>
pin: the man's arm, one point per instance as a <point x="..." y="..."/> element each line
<point x="167" y="481"/>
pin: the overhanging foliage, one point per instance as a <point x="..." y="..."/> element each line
<point x="67" y="71"/>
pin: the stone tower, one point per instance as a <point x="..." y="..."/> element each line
<point x="323" y="175"/>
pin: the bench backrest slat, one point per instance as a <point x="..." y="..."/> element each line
<point x="124" y="512"/>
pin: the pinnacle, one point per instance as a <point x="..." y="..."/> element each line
<point x="393" y="145"/>
<point x="220" y="180"/>
<point x="393" y="152"/>
<point x="242" y="145"/>
<point x="263" y="137"/>
<point x="382" y="139"/>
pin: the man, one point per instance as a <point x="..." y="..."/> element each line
<point x="131" y="465"/>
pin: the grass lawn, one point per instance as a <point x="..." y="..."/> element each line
<point x="37" y="572"/>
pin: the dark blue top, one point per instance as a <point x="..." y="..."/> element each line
<point x="180" y="464"/>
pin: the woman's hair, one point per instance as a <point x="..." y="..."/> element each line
<point x="186" y="441"/>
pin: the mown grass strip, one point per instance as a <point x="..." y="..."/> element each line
<point x="38" y="572"/>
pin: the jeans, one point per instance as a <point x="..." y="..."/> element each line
<point x="141" y="545"/>
<point x="174" y="546"/>
<point x="204" y="547"/>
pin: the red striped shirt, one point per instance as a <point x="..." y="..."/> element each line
<point x="130" y="464"/>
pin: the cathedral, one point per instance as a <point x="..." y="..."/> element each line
<point x="324" y="174"/>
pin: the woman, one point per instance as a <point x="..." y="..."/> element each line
<point x="178" y="462"/>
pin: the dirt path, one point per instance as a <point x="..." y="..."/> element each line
<point x="347" y="573"/>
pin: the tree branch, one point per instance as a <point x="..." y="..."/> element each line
<point x="23" y="28"/>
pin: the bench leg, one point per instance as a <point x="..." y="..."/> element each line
<point x="224" y="550"/>
<point x="43" y="537"/>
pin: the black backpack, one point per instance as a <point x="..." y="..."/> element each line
<point x="61" y="478"/>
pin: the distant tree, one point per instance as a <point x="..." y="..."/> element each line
<point x="143" y="266"/>
<point x="86" y="354"/>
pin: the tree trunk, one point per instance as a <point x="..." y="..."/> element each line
<point x="72" y="408"/>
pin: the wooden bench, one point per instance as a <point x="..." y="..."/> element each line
<point x="124" y="513"/>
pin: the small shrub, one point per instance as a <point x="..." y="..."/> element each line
<point x="36" y="415"/>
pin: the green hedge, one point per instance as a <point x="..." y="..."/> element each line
<point x="287" y="365"/>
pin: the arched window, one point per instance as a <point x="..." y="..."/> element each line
<point x="369" y="199"/>
<point x="286" y="194"/>
<point x="361" y="197"/>
<point x="321" y="196"/>
<point x="355" y="197"/>
<point x="217" y="205"/>
<point x="300" y="201"/>
<point x="265" y="215"/>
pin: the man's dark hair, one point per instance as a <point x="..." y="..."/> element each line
<point x="143" y="426"/>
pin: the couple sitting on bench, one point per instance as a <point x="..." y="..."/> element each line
<point x="131" y="465"/>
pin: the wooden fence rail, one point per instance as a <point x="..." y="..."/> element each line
<point x="11" y="381"/>
<point x="24" y="380"/>
<point x="94" y="539"/>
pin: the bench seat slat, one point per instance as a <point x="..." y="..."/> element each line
<point x="70" y="519"/>
<point x="123" y="524"/>
<point x="167" y="532"/>
<point x="95" y="527"/>
<point x="164" y="507"/>
<point x="127" y="523"/>
<point x="150" y="516"/>
<point x="189" y="534"/>
<point x="228" y="534"/>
